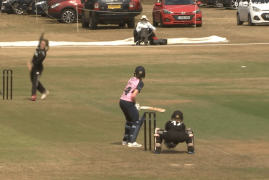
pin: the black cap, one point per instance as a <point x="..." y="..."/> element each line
<point x="177" y="115"/>
<point x="140" y="72"/>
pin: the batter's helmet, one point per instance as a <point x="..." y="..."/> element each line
<point x="140" y="72"/>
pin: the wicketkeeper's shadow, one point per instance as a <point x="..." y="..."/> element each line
<point x="168" y="151"/>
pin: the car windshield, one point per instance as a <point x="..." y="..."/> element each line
<point x="178" y="2"/>
<point x="260" y="1"/>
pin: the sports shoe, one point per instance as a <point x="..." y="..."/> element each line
<point x="124" y="143"/>
<point x="191" y="152"/>
<point x="33" y="97"/>
<point x="134" y="144"/>
<point x="44" y="95"/>
<point x="156" y="152"/>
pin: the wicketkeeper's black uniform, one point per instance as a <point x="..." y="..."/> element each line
<point x="175" y="132"/>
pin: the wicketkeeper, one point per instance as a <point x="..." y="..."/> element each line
<point x="175" y="132"/>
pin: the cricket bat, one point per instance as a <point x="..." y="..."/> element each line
<point x="152" y="108"/>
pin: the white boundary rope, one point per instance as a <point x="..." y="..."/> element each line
<point x="161" y="46"/>
<point x="128" y="41"/>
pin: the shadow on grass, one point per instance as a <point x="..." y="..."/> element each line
<point x="28" y="99"/>
<point x="116" y="143"/>
<point x="167" y="151"/>
<point x="104" y="27"/>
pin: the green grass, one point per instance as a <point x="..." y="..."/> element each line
<point x="220" y="100"/>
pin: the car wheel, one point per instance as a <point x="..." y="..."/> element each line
<point x="84" y="23"/>
<point x="93" y="25"/>
<point x="10" y="12"/>
<point x="233" y="4"/>
<point x="161" y="21"/>
<point x="153" y="21"/>
<point x="215" y="2"/>
<point x="131" y="23"/>
<point x="238" y="20"/>
<point x="68" y="16"/>
<point x="16" y="8"/>
<point x="250" y="21"/>
<point x="199" y="25"/>
<point x="122" y="25"/>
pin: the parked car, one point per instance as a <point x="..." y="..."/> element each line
<point x="210" y="2"/>
<point x="137" y="6"/>
<point x="119" y="12"/>
<point x="233" y="4"/>
<point x="253" y="12"/>
<point x="65" y="10"/>
<point x="174" y="12"/>
<point x="41" y="7"/>
<point x="17" y="6"/>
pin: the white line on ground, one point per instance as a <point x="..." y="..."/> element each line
<point x="220" y="150"/>
<point x="154" y="46"/>
<point x="82" y="153"/>
<point x="212" y="147"/>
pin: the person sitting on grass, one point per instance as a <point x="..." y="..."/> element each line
<point x="143" y="28"/>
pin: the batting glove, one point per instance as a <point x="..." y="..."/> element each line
<point x="137" y="106"/>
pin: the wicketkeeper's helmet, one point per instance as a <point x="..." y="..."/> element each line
<point x="177" y="115"/>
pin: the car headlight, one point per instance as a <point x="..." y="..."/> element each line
<point x="197" y="11"/>
<point x="255" y="9"/>
<point x="167" y="12"/>
<point x="41" y="2"/>
<point x="55" y="5"/>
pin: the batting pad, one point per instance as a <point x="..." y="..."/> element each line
<point x="135" y="129"/>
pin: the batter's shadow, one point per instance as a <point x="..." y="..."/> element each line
<point x="116" y="143"/>
<point x="28" y="99"/>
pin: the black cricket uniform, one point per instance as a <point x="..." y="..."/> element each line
<point x="36" y="71"/>
<point x="175" y="132"/>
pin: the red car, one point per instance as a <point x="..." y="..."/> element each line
<point x="173" y="12"/>
<point x="65" y="10"/>
<point x="137" y="6"/>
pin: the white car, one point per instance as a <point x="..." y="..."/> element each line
<point x="253" y="12"/>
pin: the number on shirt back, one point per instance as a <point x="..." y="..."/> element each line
<point x="175" y="123"/>
<point x="127" y="90"/>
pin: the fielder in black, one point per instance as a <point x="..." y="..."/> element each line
<point x="36" y="68"/>
<point x="175" y="132"/>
